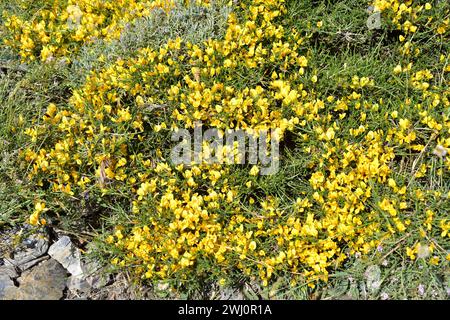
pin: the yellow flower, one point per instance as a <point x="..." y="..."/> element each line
<point x="254" y="171"/>
<point x="39" y="207"/>
<point x="46" y="54"/>
<point x="34" y="219"/>
<point x="434" y="261"/>
<point x="411" y="253"/>
<point x="330" y="134"/>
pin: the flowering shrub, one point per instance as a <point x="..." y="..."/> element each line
<point x="52" y="29"/>
<point x="185" y="221"/>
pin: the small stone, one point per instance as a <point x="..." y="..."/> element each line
<point x="29" y="250"/>
<point x="92" y="278"/>
<point x="78" y="283"/>
<point x="374" y="21"/>
<point x="423" y="251"/>
<point x="46" y="281"/>
<point x="373" y="276"/>
<point x="67" y="254"/>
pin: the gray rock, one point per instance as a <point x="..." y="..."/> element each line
<point x="84" y="276"/>
<point x="91" y="278"/>
<point x="78" y="283"/>
<point x="374" y="21"/>
<point x="8" y="271"/>
<point x="32" y="263"/>
<point x="373" y="278"/>
<point x="67" y="254"/>
<point x="6" y="282"/>
<point x="46" y="281"/>
<point x="28" y="252"/>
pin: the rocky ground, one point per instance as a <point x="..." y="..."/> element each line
<point x="38" y="267"/>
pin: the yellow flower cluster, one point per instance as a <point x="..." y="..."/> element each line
<point x="408" y="16"/>
<point x="412" y="17"/>
<point x="113" y="137"/>
<point x="34" y="217"/>
<point x="53" y="29"/>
